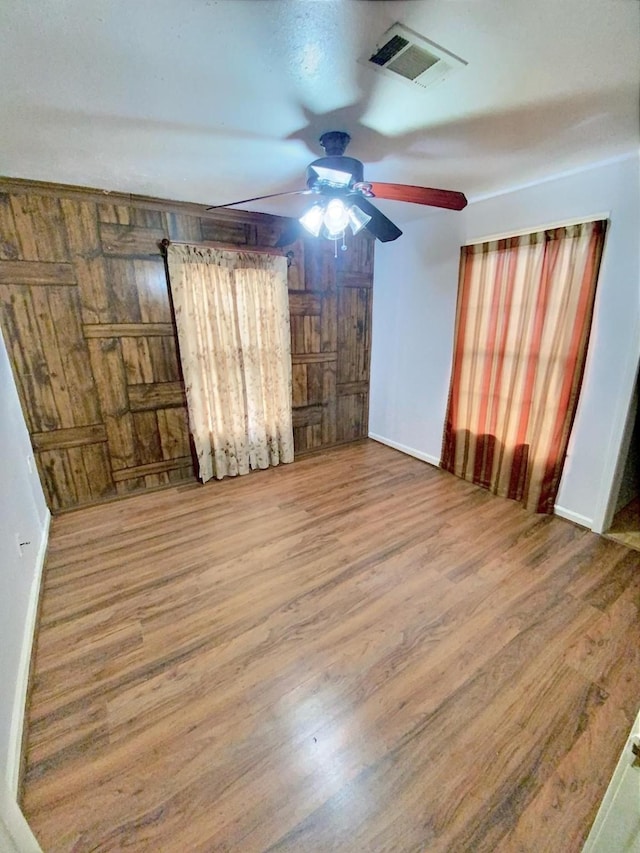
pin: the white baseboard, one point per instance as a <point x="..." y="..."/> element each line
<point x="14" y="755"/>
<point x="15" y="833"/>
<point x="570" y="515"/>
<point x="615" y="822"/>
<point x="403" y="448"/>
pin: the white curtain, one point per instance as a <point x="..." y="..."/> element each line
<point x="232" y="315"/>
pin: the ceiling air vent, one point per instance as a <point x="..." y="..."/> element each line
<point x="403" y="54"/>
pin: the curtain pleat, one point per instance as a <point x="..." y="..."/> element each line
<point x="232" y="316"/>
<point x="523" y="317"/>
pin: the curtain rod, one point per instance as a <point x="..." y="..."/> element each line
<point x="578" y="220"/>
<point x="227" y="247"/>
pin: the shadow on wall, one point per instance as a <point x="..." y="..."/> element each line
<point x="630" y="484"/>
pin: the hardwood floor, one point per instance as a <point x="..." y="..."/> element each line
<point x="626" y="525"/>
<point x="356" y="652"/>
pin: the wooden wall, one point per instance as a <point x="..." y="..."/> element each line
<point x="87" y="320"/>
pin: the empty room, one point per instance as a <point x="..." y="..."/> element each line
<point x="320" y="487"/>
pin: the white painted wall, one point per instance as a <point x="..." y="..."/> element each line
<point x="414" y="309"/>
<point x="24" y="517"/>
<point x="414" y="305"/>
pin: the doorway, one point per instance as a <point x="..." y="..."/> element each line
<point x="625" y="527"/>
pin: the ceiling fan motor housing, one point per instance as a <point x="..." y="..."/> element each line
<point x="339" y="164"/>
<point x="334" y="142"/>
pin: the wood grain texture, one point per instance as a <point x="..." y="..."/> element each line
<point x="625" y="527"/>
<point x="301" y="303"/>
<point x="108" y="368"/>
<point x="36" y="272"/>
<point x="73" y="437"/>
<point x="313" y="357"/>
<point x="39" y="227"/>
<point x="128" y="330"/>
<point x="150" y="468"/>
<point x="158" y="395"/>
<point x="130" y="240"/>
<point x="330" y="338"/>
<point x="307" y="415"/>
<point x="9" y="244"/>
<point x="354" y="652"/>
<point x="86" y="314"/>
<point x="83" y="236"/>
<point x="116" y="207"/>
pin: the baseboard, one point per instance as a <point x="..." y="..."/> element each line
<point x="15" y="833"/>
<point x="14" y="756"/>
<point x="612" y="813"/>
<point x="403" y="448"/>
<point x="570" y="515"/>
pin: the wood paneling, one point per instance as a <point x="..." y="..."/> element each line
<point x="354" y="313"/>
<point x="39" y="228"/>
<point x="307" y="416"/>
<point x="74" y="437"/>
<point x="313" y="357"/>
<point x="159" y="395"/>
<point x="352" y="416"/>
<point x="330" y="341"/>
<point x="151" y="468"/>
<point x="76" y="475"/>
<point x="86" y="314"/>
<point x="83" y="235"/>
<point x="302" y="303"/>
<point x="238" y="233"/>
<point x="357" y="653"/>
<point x="130" y="240"/>
<point x="36" y="272"/>
<point x="127" y="330"/>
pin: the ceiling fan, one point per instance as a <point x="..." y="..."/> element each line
<point x="342" y="196"/>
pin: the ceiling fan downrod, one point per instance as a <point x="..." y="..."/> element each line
<point x="334" y="142"/>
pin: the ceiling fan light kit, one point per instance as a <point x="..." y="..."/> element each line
<point x="342" y="197"/>
<point x="332" y="218"/>
<point x="339" y="180"/>
<point x="335" y="177"/>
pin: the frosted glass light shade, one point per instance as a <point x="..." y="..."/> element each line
<point x="312" y="219"/>
<point x="357" y="219"/>
<point x="335" y="216"/>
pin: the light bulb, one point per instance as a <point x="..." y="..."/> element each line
<point x="336" y="217"/>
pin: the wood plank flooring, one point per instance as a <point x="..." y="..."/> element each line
<point x="625" y="527"/>
<point x="355" y="652"/>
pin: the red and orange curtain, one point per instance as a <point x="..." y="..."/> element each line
<point x="523" y="317"/>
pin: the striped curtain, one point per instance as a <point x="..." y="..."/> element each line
<point x="523" y="317"/>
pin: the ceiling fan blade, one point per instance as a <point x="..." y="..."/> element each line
<point x="420" y="195"/>
<point x="259" y="198"/>
<point x="289" y="235"/>
<point x="378" y="225"/>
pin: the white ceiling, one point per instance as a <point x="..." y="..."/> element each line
<point x="216" y="100"/>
